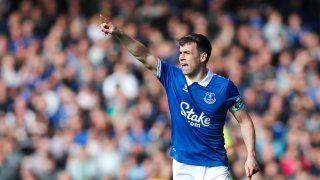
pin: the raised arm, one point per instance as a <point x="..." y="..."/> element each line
<point x="248" y="134"/>
<point x="137" y="49"/>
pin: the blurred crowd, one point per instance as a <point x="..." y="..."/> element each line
<point x="74" y="104"/>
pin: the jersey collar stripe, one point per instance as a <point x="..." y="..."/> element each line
<point x="204" y="82"/>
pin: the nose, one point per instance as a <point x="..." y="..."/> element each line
<point x="181" y="57"/>
<point x="182" y="60"/>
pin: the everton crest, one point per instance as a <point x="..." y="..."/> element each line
<point x="210" y="98"/>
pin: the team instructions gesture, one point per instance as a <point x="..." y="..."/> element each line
<point x="138" y="50"/>
<point x="198" y="101"/>
<point x="107" y="27"/>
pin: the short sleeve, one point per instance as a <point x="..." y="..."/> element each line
<point x="165" y="72"/>
<point x="234" y="100"/>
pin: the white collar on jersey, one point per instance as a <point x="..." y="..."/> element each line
<point x="204" y="82"/>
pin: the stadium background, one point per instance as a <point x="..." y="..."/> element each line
<point x="75" y="105"/>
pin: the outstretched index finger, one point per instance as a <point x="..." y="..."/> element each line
<point x="103" y="18"/>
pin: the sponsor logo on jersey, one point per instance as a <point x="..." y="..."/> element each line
<point x="210" y="98"/>
<point x="196" y="120"/>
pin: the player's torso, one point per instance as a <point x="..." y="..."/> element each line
<point x="197" y="119"/>
<point x="200" y="106"/>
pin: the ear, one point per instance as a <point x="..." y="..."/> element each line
<point x="203" y="57"/>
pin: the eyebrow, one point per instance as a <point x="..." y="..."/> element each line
<point x="185" y="51"/>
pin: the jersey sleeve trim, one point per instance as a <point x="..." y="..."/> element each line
<point x="158" y="74"/>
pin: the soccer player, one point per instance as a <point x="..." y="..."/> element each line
<point x="198" y="101"/>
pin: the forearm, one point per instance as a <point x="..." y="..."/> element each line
<point x="137" y="49"/>
<point x="249" y="137"/>
<point x="248" y="134"/>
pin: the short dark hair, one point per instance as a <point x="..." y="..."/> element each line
<point x="203" y="43"/>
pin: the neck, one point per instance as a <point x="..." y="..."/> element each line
<point x="199" y="76"/>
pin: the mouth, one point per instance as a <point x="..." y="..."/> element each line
<point x="184" y="65"/>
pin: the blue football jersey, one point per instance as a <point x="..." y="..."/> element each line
<point x="198" y="112"/>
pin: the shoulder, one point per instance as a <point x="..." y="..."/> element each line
<point x="221" y="80"/>
<point x="225" y="83"/>
<point x="170" y="67"/>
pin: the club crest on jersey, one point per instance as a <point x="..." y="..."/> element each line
<point x="210" y="98"/>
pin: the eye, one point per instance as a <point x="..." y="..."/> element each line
<point x="186" y="52"/>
